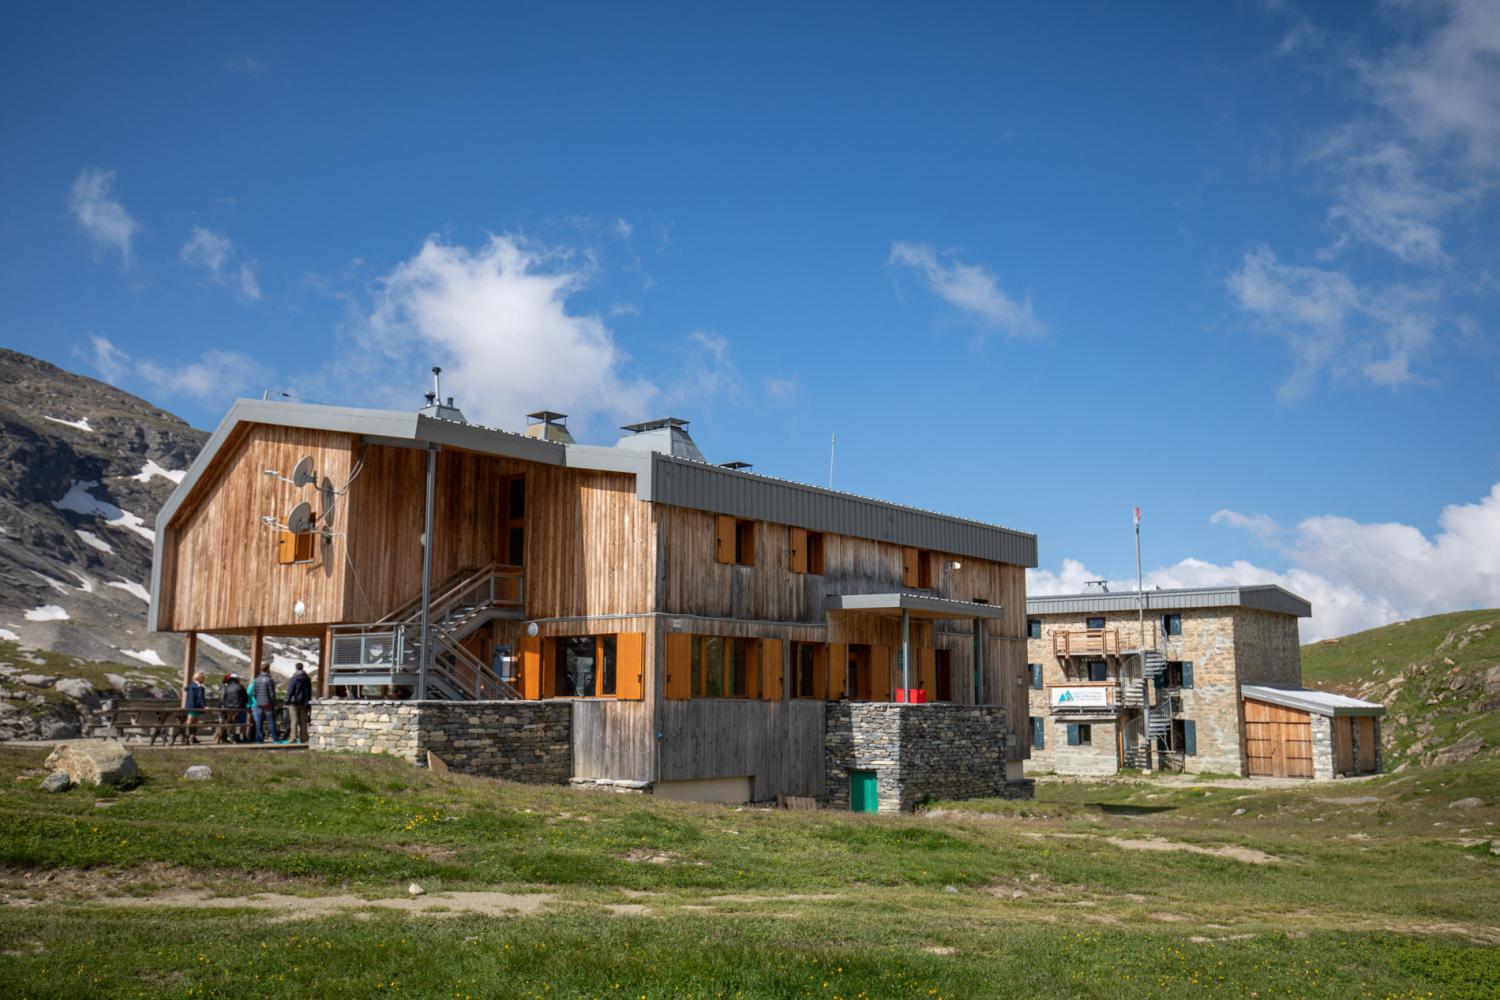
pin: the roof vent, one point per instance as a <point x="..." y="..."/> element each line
<point x="1096" y="587"/>
<point x="668" y="435"/>
<point x="736" y="466"/>
<point x="549" y="426"/>
<point x="437" y="409"/>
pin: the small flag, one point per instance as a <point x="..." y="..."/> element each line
<point x="1137" y="517"/>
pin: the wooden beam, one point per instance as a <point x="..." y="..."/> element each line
<point x="189" y="662"/>
<point x="257" y="650"/>
<point x="325" y="653"/>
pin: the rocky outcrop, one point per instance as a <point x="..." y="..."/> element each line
<point x="98" y="762"/>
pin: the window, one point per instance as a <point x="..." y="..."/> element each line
<point x="584" y="667"/>
<point x="1094" y="623"/>
<point x="1178" y="674"/>
<point x="1185" y="736"/>
<point x="1080" y="734"/>
<point x="1035" y="670"/>
<point x="807" y="675"/>
<point x="296" y="547"/>
<point x="944" y="669"/>
<point x="1033" y="628"/>
<point x="734" y="541"/>
<point x="515" y="521"/>
<point x="1038" y="733"/>
<point x="1098" y="670"/>
<point x="806" y="551"/>
<point x="916" y="569"/>
<point x="722" y="668"/>
<point x="1171" y="624"/>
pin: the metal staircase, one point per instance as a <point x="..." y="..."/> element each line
<point x="385" y="653"/>
<point x="1151" y="729"/>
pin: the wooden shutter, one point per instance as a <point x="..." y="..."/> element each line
<point x="531" y="667"/>
<point x="286" y="548"/>
<point x="1035" y="669"/>
<point x="834" y="665"/>
<point x="773" y="668"/>
<point x="548" y="672"/>
<point x="908" y="567"/>
<point x="724" y="539"/>
<point x="799" y="550"/>
<point x="927" y="672"/>
<point x="1038" y="734"/>
<point x="678" y="659"/>
<point x="882" y="679"/>
<point x="1073" y="738"/>
<point x="1189" y="736"/>
<point x="752" y="667"/>
<point x="630" y="666"/>
<point x="1187" y="673"/>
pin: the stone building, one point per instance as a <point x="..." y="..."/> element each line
<point x="1160" y="681"/>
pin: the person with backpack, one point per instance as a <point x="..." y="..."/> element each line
<point x="263" y="691"/>
<point x="235" y="699"/>
<point x="298" y="703"/>
<point x="194" y="699"/>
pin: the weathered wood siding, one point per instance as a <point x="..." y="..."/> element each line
<point x="778" y="743"/>
<point x="220" y="571"/>
<point x="1278" y="741"/>
<point x="590" y="546"/>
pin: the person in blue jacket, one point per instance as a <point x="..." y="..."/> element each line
<point x="194" y="699"/>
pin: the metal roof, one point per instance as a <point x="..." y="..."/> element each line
<point x="1321" y="702"/>
<point x="1264" y="597"/>
<point x="660" y="478"/>
<point x="918" y="605"/>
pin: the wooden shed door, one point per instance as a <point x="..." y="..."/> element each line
<point x="1278" y="741"/>
<point x="1367" y="741"/>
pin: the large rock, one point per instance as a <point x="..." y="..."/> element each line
<point x="57" y="781"/>
<point x="100" y="762"/>
<point x="1492" y="680"/>
<point x="79" y="690"/>
<point x="1465" y="749"/>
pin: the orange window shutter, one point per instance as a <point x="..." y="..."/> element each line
<point x="679" y="665"/>
<point x="909" y="567"/>
<point x="772" y="668"/>
<point x="835" y="659"/>
<point x="630" y="666"/>
<point x="753" y="668"/>
<point x="799" y="550"/>
<point x="286" y="548"/>
<point x="307" y="546"/>
<point x="724" y="539"/>
<point x="927" y="669"/>
<point x="881" y="686"/>
<point x="531" y="667"/>
<point x="548" y="675"/>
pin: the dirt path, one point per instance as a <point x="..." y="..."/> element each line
<point x="446" y="904"/>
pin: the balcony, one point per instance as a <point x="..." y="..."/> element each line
<point x="1084" y="699"/>
<point x="1093" y="642"/>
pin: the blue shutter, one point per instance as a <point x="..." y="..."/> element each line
<point x="1189" y="736"/>
<point x="1036" y="675"/>
<point x="1038" y="734"/>
<point x="1187" y="673"/>
<point x="1073" y="740"/>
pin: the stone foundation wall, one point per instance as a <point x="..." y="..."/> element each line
<point x="1322" y="747"/>
<point x="517" y="740"/>
<point x="918" y="752"/>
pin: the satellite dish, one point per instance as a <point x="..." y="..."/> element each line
<point x="300" y="519"/>
<point x="303" y="473"/>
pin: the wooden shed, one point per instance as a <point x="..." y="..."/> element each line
<point x="1298" y="733"/>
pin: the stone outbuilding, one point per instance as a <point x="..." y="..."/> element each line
<point x="1297" y="733"/>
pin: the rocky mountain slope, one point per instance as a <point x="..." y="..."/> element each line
<point x="1438" y="677"/>
<point x="84" y="467"/>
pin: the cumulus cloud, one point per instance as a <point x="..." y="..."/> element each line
<point x="101" y="215"/>
<point x="213" y="253"/>
<point x="1356" y="575"/>
<point x="969" y="288"/>
<point x="215" y="376"/>
<point x="1332" y="325"/>
<point x="500" y="321"/>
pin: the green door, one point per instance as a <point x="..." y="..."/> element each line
<point x="864" y="796"/>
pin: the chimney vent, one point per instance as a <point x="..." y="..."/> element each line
<point x="549" y="425"/>
<point x="667" y="435"/>
<point x="435" y="409"/>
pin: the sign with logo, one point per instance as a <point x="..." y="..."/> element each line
<point x="1080" y="697"/>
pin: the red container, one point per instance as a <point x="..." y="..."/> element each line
<point x="914" y="696"/>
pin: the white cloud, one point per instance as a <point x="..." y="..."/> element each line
<point x="213" y="253"/>
<point x="1356" y="575"/>
<point x="216" y="375"/>
<point x="499" y="320"/>
<point x="783" y="388"/>
<point x="101" y="215"/>
<point x="969" y="288"/>
<point x="1332" y="325"/>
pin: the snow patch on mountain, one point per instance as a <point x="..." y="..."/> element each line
<point x="214" y="641"/>
<point x="93" y="540"/>
<point x="79" y="500"/>
<point x="82" y="423"/>
<point x="152" y="469"/>
<point x="150" y="656"/>
<point x="47" y="613"/>
<point x="132" y="588"/>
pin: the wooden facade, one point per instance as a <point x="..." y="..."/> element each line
<point x="1278" y="741"/>
<point x="597" y="561"/>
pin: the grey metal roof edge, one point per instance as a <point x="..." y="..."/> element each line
<point x="1298" y="698"/>
<point x="913" y="602"/>
<point x="1261" y="597"/>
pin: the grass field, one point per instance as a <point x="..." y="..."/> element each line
<point x="242" y="886"/>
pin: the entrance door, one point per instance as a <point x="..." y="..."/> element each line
<point x="864" y="794"/>
<point x="1278" y="741"/>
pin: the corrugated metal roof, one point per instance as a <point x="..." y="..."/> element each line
<point x="918" y="605"/>
<point x="1303" y="699"/>
<point x="1265" y="597"/>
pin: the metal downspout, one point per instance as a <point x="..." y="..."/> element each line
<point x="426" y="574"/>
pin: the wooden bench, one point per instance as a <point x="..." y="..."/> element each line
<point x="164" y="719"/>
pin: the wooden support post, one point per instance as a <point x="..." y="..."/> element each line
<point x="189" y="663"/>
<point x="325" y="657"/>
<point x="257" y="650"/>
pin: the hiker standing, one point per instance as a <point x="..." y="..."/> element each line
<point x="299" y="703"/>
<point x="235" y="699"/>
<point x="263" y="691"/>
<point x="194" y="699"/>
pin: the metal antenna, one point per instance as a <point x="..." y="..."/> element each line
<point x="833" y="442"/>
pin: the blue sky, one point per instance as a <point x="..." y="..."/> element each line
<point x="1236" y="263"/>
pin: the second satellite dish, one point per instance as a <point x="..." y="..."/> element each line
<point x="300" y="519"/>
<point x="303" y="473"/>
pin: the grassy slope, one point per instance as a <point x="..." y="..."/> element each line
<point x="1368" y="898"/>
<point x="1437" y="701"/>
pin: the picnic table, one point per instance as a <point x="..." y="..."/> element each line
<point x="166" y="719"/>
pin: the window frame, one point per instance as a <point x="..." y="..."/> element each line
<point x="1088" y="623"/>
<point x="1168" y="620"/>
<point x="1033" y="628"/>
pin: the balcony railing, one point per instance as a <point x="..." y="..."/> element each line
<point x="1084" y="698"/>
<point x="1089" y="642"/>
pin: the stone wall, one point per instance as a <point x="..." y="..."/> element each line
<point x="517" y="740"/>
<point x="918" y="752"/>
<point x="1266" y="648"/>
<point x="1322" y="746"/>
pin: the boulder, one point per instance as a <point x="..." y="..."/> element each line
<point x="37" y="680"/>
<point x="1471" y="802"/>
<point x="78" y="689"/>
<point x="199" y="772"/>
<point x="1492" y="680"/>
<point x="1465" y="749"/>
<point x="100" y="762"/>
<point x="57" y="781"/>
